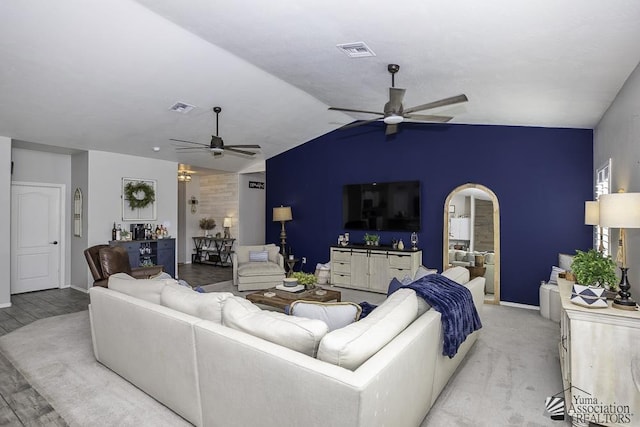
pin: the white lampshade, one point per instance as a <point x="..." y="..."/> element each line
<point x="226" y="222"/>
<point x="620" y="210"/>
<point x="282" y="213"/>
<point x="591" y="213"/>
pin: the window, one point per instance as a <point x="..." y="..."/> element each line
<point x="602" y="186"/>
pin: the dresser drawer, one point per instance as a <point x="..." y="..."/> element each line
<point x="341" y="267"/>
<point x="400" y="261"/>
<point x="337" y="255"/>
<point x="340" y="279"/>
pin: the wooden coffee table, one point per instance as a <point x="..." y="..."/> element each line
<point x="283" y="299"/>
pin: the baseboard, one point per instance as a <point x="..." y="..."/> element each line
<point x="86" y="291"/>
<point x="5" y="305"/>
<point x="518" y="305"/>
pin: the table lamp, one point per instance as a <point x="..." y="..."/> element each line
<point x="592" y="217"/>
<point x="282" y="214"/>
<point x="621" y="210"/>
<point x="226" y="223"/>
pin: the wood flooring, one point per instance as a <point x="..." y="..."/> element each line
<point x="20" y="404"/>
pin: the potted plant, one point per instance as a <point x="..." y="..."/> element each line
<point x="592" y="268"/>
<point x="207" y="224"/>
<point x="371" y="239"/>
<point x="306" y="279"/>
<point x="596" y="271"/>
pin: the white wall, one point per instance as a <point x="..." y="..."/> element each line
<point x="617" y="136"/>
<point x="251" y="211"/>
<point x="104" y="201"/>
<point x="5" y="219"/>
<point x="48" y="168"/>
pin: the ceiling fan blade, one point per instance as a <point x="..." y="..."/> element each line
<point x="391" y="129"/>
<point x="395" y="100"/>
<point x="235" y="150"/>
<point x="188" y="142"/>
<point x="242" y="146"/>
<point x="355" y="111"/>
<point x="190" y="148"/>
<point x="358" y="123"/>
<point x="428" y="118"/>
<point x="441" y="103"/>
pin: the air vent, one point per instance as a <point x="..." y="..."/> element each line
<point x="356" y="50"/>
<point x="181" y="107"/>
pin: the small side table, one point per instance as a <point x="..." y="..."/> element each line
<point x="476" y="271"/>
<point x="290" y="264"/>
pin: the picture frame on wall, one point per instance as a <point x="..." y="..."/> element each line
<point x="139" y="199"/>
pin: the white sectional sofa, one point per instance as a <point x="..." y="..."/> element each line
<point x="187" y="358"/>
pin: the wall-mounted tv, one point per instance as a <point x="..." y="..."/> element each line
<point x="381" y="206"/>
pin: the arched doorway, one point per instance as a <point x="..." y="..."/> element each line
<point x="472" y="227"/>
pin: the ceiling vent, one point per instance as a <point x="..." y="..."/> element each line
<point x="181" y="107"/>
<point x="356" y="50"/>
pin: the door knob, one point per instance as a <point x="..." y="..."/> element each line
<point x="55" y="242"/>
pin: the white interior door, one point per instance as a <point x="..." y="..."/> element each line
<point x="35" y="237"/>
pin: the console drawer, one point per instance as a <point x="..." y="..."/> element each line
<point x="340" y="279"/>
<point x="338" y="255"/>
<point x="341" y="267"/>
<point x="400" y="261"/>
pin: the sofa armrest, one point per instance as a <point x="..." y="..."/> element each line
<point x="146" y="272"/>
<point x="476" y="286"/>
<point x="234" y="265"/>
<point x="280" y="260"/>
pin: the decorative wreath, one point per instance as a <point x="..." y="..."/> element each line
<point x="132" y="189"/>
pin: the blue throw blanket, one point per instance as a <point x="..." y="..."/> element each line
<point x="455" y="304"/>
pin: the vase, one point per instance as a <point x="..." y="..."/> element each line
<point x="589" y="296"/>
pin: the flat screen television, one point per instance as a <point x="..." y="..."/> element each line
<point x="381" y="206"/>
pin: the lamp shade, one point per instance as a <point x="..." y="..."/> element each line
<point x="591" y="213"/>
<point x="620" y="210"/>
<point x="226" y="222"/>
<point x="282" y="213"/>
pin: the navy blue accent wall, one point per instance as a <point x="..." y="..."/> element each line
<point x="541" y="176"/>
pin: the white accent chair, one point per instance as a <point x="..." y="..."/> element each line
<point x="255" y="275"/>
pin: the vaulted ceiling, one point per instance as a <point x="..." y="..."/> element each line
<point x="102" y="75"/>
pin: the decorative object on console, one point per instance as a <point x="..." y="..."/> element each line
<point x="207" y="224"/>
<point x="621" y="210"/>
<point x="227" y="224"/>
<point x="194" y="204"/>
<point x="593" y="268"/>
<point x="414" y="241"/>
<point x="371" y="239"/>
<point x="282" y="214"/>
<point x="588" y="296"/>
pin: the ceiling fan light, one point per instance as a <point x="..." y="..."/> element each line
<point x="393" y="119"/>
<point x="217" y="150"/>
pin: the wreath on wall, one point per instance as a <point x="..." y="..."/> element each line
<point x="131" y="190"/>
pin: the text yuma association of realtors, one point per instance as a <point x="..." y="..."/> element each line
<point x="589" y="409"/>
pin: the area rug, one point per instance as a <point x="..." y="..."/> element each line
<point x="512" y="368"/>
<point x="55" y="356"/>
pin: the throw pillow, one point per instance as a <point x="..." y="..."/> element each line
<point x="555" y="271"/>
<point x="297" y="333"/>
<point x="258" y="256"/>
<point x="423" y="271"/>
<point x="335" y="314"/>
<point x="396" y="284"/>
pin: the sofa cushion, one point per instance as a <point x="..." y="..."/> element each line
<point x="242" y="252"/>
<point x="146" y="289"/>
<point x="258" y="256"/>
<point x="457" y="274"/>
<point x="259" y="269"/>
<point x="296" y="333"/>
<point x="203" y="305"/>
<point x="335" y="314"/>
<point x="352" y="345"/>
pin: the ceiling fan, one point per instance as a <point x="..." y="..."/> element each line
<point x="216" y="146"/>
<point x="394" y="113"/>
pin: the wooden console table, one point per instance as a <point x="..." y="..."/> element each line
<point x="600" y="361"/>
<point x="215" y="250"/>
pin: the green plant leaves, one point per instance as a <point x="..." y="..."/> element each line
<point x="592" y="268"/>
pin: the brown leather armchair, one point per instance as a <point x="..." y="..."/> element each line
<point x="105" y="260"/>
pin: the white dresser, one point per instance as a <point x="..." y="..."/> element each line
<point x="600" y="361"/>
<point x="371" y="269"/>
